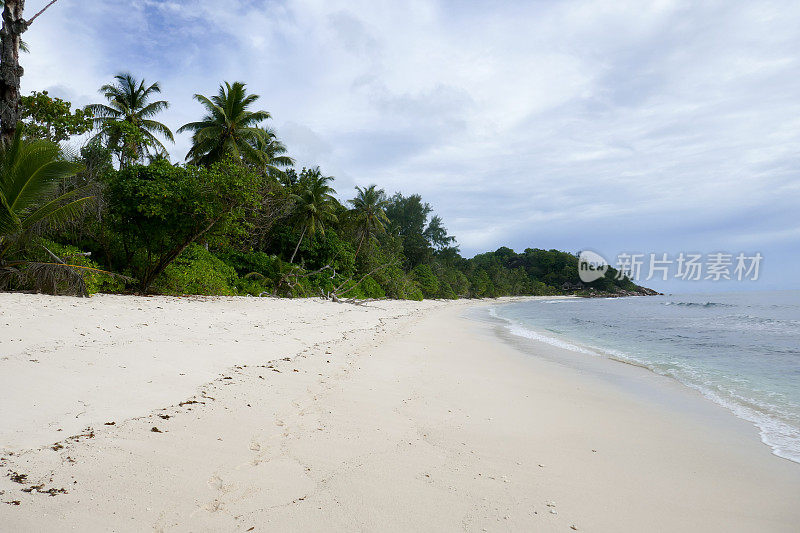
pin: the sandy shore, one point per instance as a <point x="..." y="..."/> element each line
<point x="237" y="414"/>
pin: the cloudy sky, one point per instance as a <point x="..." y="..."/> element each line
<point x="637" y="126"/>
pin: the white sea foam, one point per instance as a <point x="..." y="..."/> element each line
<point x="778" y="435"/>
<point x="519" y="330"/>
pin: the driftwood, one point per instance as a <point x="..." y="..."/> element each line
<point x="365" y="301"/>
<point x="293" y="278"/>
<point x="336" y="294"/>
<point x="365" y="276"/>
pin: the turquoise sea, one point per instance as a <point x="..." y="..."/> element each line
<point x="741" y="350"/>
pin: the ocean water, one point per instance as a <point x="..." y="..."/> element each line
<point x="740" y="350"/>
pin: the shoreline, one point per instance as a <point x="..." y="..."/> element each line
<point x="388" y="417"/>
<point x="522" y="336"/>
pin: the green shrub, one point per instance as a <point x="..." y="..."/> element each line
<point x="257" y="271"/>
<point x="453" y="283"/>
<point x="368" y="288"/>
<point x="397" y="284"/>
<point x="412" y="291"/>
<point x="253" y="285"/>
<point x="446" y="291"/>
<point x="197" y="271"/>
<point x="267" y="265"/>
<point x="428" y="283"/>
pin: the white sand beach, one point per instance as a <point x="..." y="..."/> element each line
<point x="126" y="413"/>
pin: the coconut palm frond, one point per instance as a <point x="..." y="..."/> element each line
<point x="227" y="128"/>
<point x="30" y="172"/>
<point x="57" y="213"/>
<point x="131" y="101"/>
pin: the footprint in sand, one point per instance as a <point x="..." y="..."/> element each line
<point x="215" y="482"/>
<point x="213" y="506"/>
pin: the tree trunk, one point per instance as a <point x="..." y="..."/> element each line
<point x="360" y="242"/>
<point x="10" y="70"/>
<point x="171" y="256"/>
<point x="298" y="244"/>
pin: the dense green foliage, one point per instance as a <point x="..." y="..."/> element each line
<point x="52" y="119"/>
<point x="158" y="210"/>
<point x="238" y="218"/>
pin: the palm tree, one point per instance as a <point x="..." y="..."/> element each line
<point x="228" y="128"/>
<point x="273" y="153"/>
<point x="126" y="122"/>
<point x="30" y="174"/>
<point x="369" y="207"/>
<point x="314" y="204"/>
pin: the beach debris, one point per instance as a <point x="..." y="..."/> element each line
<point x="155" y="430"/>
<point x="110" y="424"/>
<point x="41" y="490"/>
<point x="13" y="502"/>
<point x="573" y="528"/>
<point x="18" y="478"/>
<point x="164" y="417"/>
<point x="541" y="466"/>
<point x="89" y="434"/>
<point x="553" y="511"/>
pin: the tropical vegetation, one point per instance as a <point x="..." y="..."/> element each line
<point x="126" y="124"/>
<point x="229" y="128"/>
<point x="236" y="218"/>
